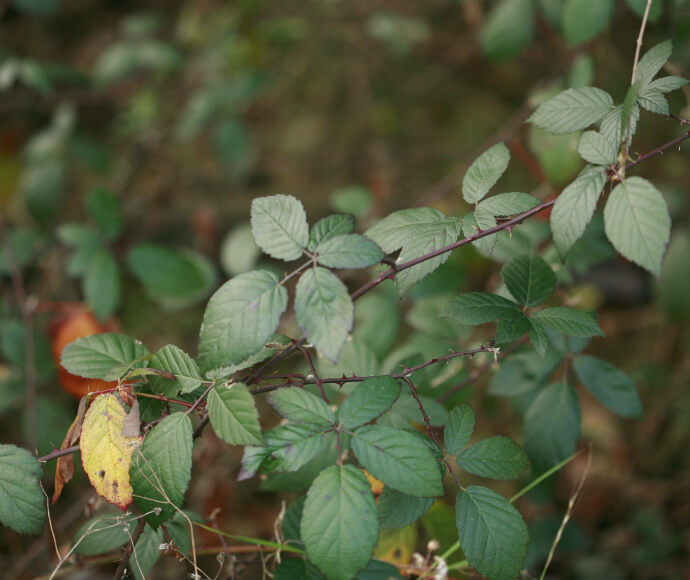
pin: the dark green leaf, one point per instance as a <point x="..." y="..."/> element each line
<point x="474" y="308"/>
<point x="569" y="321"/>
<point x="379" y="570"/>
<point x="610" y="385"/>
<point x="368" y="400"/>
<point x="102" y="285"/>
<point x="506" y="204"/>
<point x="298" y="405"/>
<point x="496" y="458"/>
<point x="529" y="279"/>
<point x="22" y="505"/>
<point x="484" y="172"/>
<point x="655" y="10"/>
<point x="330" y="227"/>
<point x="459" y="428"/>
<point x="233" y="415"/>
<point x="279" y="225"/>
<point x="397" y="510"/>
<point x="572" y="110"/>
<point x="511" y="329"/>
<point x="297" y="569"/>
<point x="106" y="211"/>
<point x="582" y="20"/>
<point x="103" y="356"/>
<point x="295" y="445"/>
<point x="101" y="534"/>
<point x="538" y="336"/>
<point x="146" y="553"/>
<point x="508" y="29"/>
<point x="348" y="251"/>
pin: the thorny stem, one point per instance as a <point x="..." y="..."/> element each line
<point x="422" y="410"/>
<point x="317" y="379"/>
<point x="141" y="524"/>
<point x="660" y="149"/>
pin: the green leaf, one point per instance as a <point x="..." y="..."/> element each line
<point x="176" y="361"/>
<point x="298" y="405"/>
<point x="103" y="356"/>
<point x="459" y="428"/>
<point x="324" y="310"/>
<point x="399" y="459"/>
<point x="415" y="232"/>
<point x="348" y="251"/>
<point x="507" y="204"/>
<point x="508" y="29"/>
<point x="474" y="308"/>
<point x="329" y="227"/>
<point x="22" y="505"/>
<point x="639" y="7"/>
<point x="146" y="552"/>
<point x="24" y="245"/>
<point x="572" y="110"/>
<point x="569" y="321"/>
<point x="233" y="415"/>
<point x="538" y="337"/>
<point x="484" y="172"/>
<point x="493" y="535"/>
<point x="596" y="149"/>
<point x="240" y="317"/>
<point x="665" y="84"/>
<point x="162" y="468"/>
<point x="339" y="526"/>
<point x="102" y="285"/>
<point x="101" y="534"/>
<point x="274" y="345"/>
<point x="398" y="510"/>
<point x="582" y="20"/>
<point x="297" y="569"/>
<point x="479" y="221"/>
<point x="496" y="458"/>
<point x="379" y="570"/>
<point x="654" y="102"/>
<point x="552" y="425"/>
<point x="106" y="211"/>
<point x="295" y="445"/>
<point x="368" y="400"/>
<point x="575" y="206"/>
<point x="529" y="279"/>
<point x="174" y="278"/>
<point x="612" y="125"/>
<point x="510" y="329"/>
<point x="637" y="223"/>
<point x="239" y="253"/>
<point x="279" y="225"/>
<point x="352" y="199"/>
<point x="610" y="385"/>
<point x="652" y="61"/>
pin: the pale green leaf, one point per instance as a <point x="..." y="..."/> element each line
<point x="239" y="318"/>
<point x="476" y="222"/>
<point x="102" y="284"/>
<point x="575" y="206"/>
<point x="162" y="468"/>
<point x="233" y="415"/>
<point x="493" y="535"/>
<point x="507" y="204"/>
<point x="496" y="458"/>
<point x="102" y="356"/>
<point x="637" y="223"/>
<point x="174" y="360"/>
<point x="508" y="29"/>
<point x="612" y="125"/>
<point x="22" y="505"/>
<point x="666" y="84"/>
<point x="654" y="102"/>
<point x="484" y="172"/>
<point x="368" y="400"/>
<point x="582" y="20"/>
<point x="329" y="227"/>
<point x="610" y="385"/>
<point x="348" y="251"/>
<point x="652" y="61"/>
<point x="529" y="279"/>
<point x="339" y="525"/>
<point x="102" y="534"/>
<point x="572" y="110"/>
<point x="596" y="149"/>
<point x="655" y="10"/>
<point x="324" y="310"/>
<point x="474" y="308"/>
<point x="459" y="428"/>
<point x="298" y="405"/>
<point x="399" y="459"/>
<point x="569" y="321"/>
<point x="397" y="510"/>
<point x="239" y="252"/>
<point x="279" y="225"/>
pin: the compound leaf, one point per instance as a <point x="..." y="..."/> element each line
<point x="529" y="279"/>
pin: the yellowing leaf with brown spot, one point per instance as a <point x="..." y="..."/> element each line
<point x="397" y="546"/>
<point x="105" y="452"/>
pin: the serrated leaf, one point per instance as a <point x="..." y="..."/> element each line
<point x="397" y="509"/>
<point x="474" y="308"/>
<point x="508" y="29"/>
<point x="569" y="321"/>
<point x="538" y="337"/>
<point x="329" y="227"/>
<point x="597" y="149"/>
<point x="102" y="285"/>
<point x="146" y="552"/>
<point x="652" y="61"/>
<point x="654" y="102"/>
<point x="239" y="318"/>
<point x="174" y="360"/>
<point x="415" y="232"/>
<point x="507" y="204"/>
<point x="496" y="458"/>
<point x="22" y="505"/>
<point x="574" y="208"/>
<point x="399" y="459"/>
<point x="102" y="356"/>
<point x="101" y="534"/>
<point x="295" y="445"/>
<point x="273" y="345"/>
<point x="106" y="453"/>
<point x="298" y="405"/>
<point x="297" y="569"/>
<point x="279" y="225"/>
<point x="552" y="425"/>
<point x="476" y="222"/>
<point x="368" y="400"/>
<point x="529" y="279"/>
<point x="637" y="223"/>
<point x="572" y="110"/>
<point x="510" y="329"/>
<point x="348" y="251"/>
<point x="612" y="126"/>
<point x="324" y="310"/>
<point x="484" y="172"/>
<point x="610" y="385"/>
<point x="666" y="84"/>
<point x="174" y="278"/>
<point x="233" y="415"/>
<point x="582" y="20"/>
<point x="459" y="428"/>
<point x="493" y="535"/>
<point x="339" y="526"/>
<point x="162" y="468"/>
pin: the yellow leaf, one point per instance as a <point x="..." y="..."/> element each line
<point x="375" y="484"/>
<point x="397" y="546"/>
<point x="105" y="452"/>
